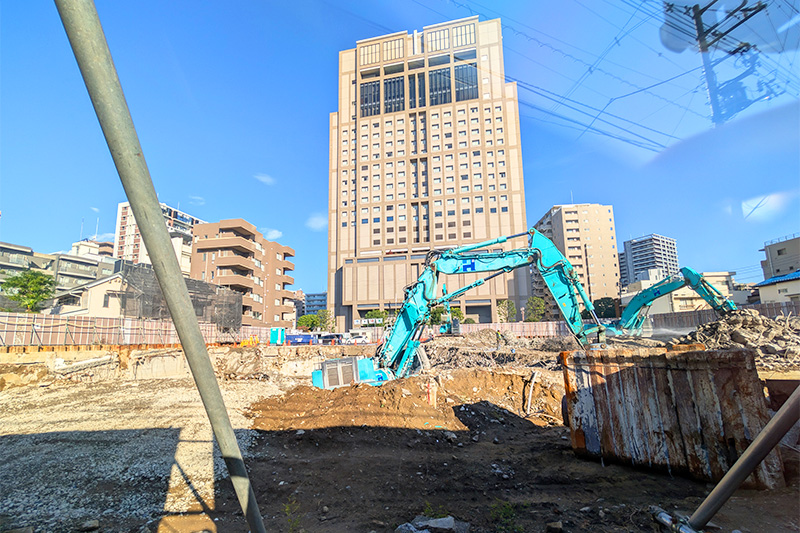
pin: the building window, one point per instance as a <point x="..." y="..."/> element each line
<point x="464" y="35"/>
<point x="370" y="54"/>
<point x="466" y="82"/>
<point x="438" y="40"/>
<point x="370" y="98"/>
<point x="106" y="298"/>
<point x="392" y="49"/>
<point x="393" y="95"/>
<point x="440" y="86"/>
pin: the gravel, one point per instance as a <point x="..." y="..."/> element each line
<point x="123" y="452"/>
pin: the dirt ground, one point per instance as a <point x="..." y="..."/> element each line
<point x="138" y="456"/>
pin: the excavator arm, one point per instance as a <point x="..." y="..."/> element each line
<point x="635" y="313"/>
<point x="398" y="353"/>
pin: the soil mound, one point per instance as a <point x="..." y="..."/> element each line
<point x="421" y="402"/>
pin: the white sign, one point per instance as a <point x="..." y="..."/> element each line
<point x="357" y="322"/>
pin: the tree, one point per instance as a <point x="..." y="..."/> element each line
<point x="29" y="288"/>
<point x="325" y="320"/>
<point x="457" y="313"/>
<point x="506" y="311"/>
<point x="377" y="313"/>
<point x="604" y="307"/>
<point x="308" y="321"/>
<point x="534" y="309"/>
<point x="469" y="321"/>
<point x="436" y="315"/>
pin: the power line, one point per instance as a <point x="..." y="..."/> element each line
<point x="654" y="147"/>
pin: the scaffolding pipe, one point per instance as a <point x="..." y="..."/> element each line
<point x="88" y="42"/>
<point x="780" y="424"/>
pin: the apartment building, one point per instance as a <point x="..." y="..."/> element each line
<point x="642" y="254"/>
<point x="425" y="154"/>
<point x="68" y="270"/>
<point x="782" y="256"/>
<point x="128" y="243"/>
<point x="585" y="234"/>
<point x="234" y="254"/>
<point x="92" y="248"/>
<point x="316" y="302"/>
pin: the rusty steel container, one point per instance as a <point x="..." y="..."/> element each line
<point x="691" y="412"/>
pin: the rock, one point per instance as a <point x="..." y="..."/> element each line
<point x="450" y="436"/>
<point x="325" y="509"/>
<point x="739" y="336"/>
<point x="554" y="527"/>
<point x="300" y="432"/>
<point x="770" y="348"/>
<point x="791" y="352"/>
<point x="27" y="529"/>
<point x="447" y="523"/>
<point x="474" y="438"/>
<point x="586" y="509"/>
<point x="89" y="525"/>
<point x="408" y="528"/>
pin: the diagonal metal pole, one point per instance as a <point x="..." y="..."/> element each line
<point x="97" y="68"/>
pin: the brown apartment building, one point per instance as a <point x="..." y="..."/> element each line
<point x="585" y="234"/>
<point x="234" y="254"/>
<point x="425" y="153"/>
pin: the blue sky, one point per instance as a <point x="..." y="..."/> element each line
<point x="231" y="103"/>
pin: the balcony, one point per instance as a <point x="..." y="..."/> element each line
<point x="235" y="281"/>
<point x="237" y="261"/>
<point x="227" y="243"/>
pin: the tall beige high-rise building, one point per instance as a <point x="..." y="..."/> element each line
<point x="425" y="154"/>
<point x="585" y="234"/>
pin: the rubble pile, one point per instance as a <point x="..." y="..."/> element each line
<point x="747" y="328"/>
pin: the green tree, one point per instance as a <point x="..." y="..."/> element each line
<point x="469" y="321"/>
<point x="534" y="309"/>
<point x="604" y="307"/>
<point x="308" y="321"/>
<point x="29" y="288"/>
<point x="436" y="315"/>
<point x="377" y="313"/>
<point x="325" y="320"/>
<point x="506" y="311"/>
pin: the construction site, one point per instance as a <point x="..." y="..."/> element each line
<point x="158" y="391"/>
<point x="117" y="440"/>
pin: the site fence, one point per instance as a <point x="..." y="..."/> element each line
<point x="25" y="329"/>
<point x="522" y="329"/>
<point x="692" y="319"/>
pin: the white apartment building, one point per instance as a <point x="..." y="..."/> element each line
<point x="425" y="153"/>
<point x="128" y="243"/>
<point x="645" y="253"/>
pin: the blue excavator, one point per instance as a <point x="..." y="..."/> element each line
<point x="635" y="313"/>
<point x="400" y="354"/>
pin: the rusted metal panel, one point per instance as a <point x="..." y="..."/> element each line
<point x="690" y="412"/>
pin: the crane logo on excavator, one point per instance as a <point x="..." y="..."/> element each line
<point x="468" y="266"/>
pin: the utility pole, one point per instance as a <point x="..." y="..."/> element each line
<point x="712" y="32"/>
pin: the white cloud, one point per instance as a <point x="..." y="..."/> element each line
<point x="271" y="234"/>
<point x="317" y="222"/>
<point x="266" y="179"/>
<point x="105" y="237"/>
<point x="197" y="200"/>
<point x="96" y="210"/>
